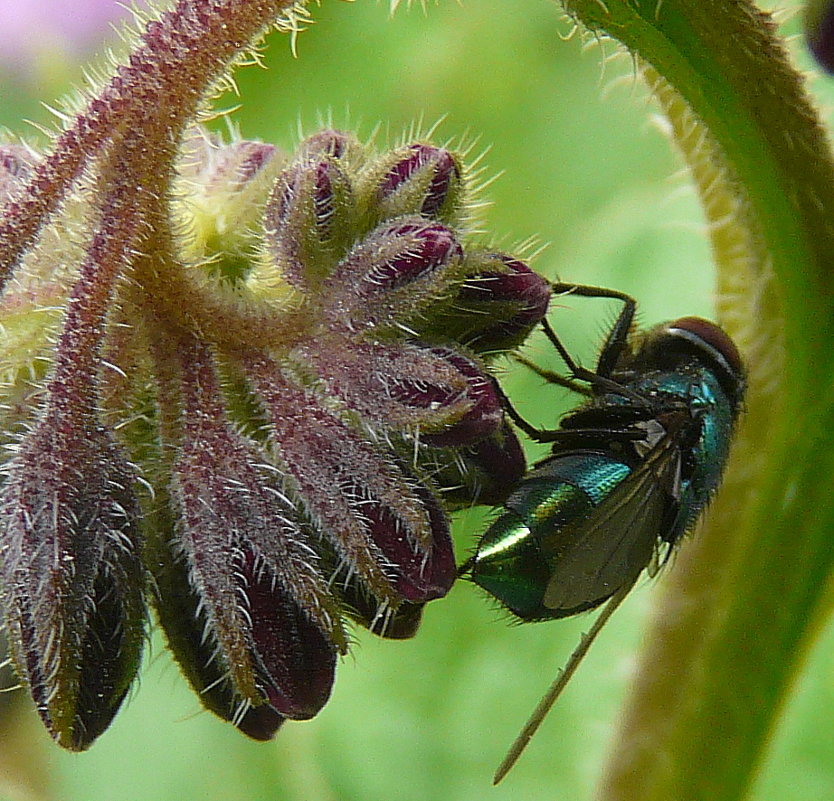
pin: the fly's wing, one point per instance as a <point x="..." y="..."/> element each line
<point x="616" y="540"/>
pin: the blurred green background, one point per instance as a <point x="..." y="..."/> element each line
<point x="584" y="169"/>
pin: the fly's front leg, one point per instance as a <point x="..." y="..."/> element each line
<point x="616" y="341"/>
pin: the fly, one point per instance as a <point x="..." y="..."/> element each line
<point x="630" y="472"/>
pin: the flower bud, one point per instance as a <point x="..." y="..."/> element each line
<point x="71" y="577"/>
<point x="232" y="168"/>
<point x="333" y="144"/>
<point x="294" y="659"/>
<point x="496" y="307"/>
<point x="418" y="179"/>
<point x="485" y="414"/>
<point x="308" y="220"/>
<point x="393" y="275"/>
<point x="438" y="393"/>
<point x="417" y="576"/>
<point x="183" y="618"/>
<point x="224" y="188"/>
<point x="266" y="604"/>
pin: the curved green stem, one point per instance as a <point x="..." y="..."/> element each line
<point x="747" y="596"/>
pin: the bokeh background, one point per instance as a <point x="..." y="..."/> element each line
<point x="583" y="167"/>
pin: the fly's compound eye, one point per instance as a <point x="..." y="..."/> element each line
<point x="709" y="337"/>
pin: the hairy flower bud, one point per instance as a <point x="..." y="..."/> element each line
<point x="70" y="576"/>
<point x="392" y="623"/>
<point x="224" y="188"/>
<point x="418" y="179"/>
<point x="183" y="616"/>
<point x="437" y="393"/>
<point x="496" y="306"/>
<point x="307" y="221"/>
<point x="335" y="144"/>
<point x="393" y="275"/>
<point x="484" y="415"/>
<point x="296" y="659"/>
<point x="267" y="606"/>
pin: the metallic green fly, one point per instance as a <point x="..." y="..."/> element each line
<point x="629" y="474"/>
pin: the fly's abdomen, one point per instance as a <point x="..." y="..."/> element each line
<point x="541" y="522"/>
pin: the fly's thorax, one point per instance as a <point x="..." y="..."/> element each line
<point x="710" y="408"/>
<point x="708" y="456"/>
<point x="705" y="433"/>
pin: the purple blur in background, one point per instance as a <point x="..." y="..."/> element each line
<point x="29" y="29"/>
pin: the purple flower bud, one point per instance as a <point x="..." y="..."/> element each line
<point x="259" y="722"/>
<point x="267" y="606"/>
<point x="438" y="392"/>
<point x="308" y="220"/>
<point x="485" y="414"/>
<point x="217" y="172"/>
<point x="230" y="168"/>
<point x="496" y="307"/>
<point x="382" y="523"/>
<point x="293" y="659"/>
<point x="418" y="576"/>
<point x="182" y="615"/>
<point x="424" y="249"/>
<point x="71" y="576"/>
<point x="250" y="159"/>
<point x="819" y="31"/>
<point x="420" y="179"/>
<point x="394" y="273"/>
<point x="335" y="144"/>
<point x="308" y="182"/>
<point x="483" y="473"/>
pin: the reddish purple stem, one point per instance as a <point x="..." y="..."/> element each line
<point x="73" y="386"/>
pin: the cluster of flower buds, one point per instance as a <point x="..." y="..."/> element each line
<point x="273" y="426"/>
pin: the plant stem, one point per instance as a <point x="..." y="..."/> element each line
<point x="746" y="598"/>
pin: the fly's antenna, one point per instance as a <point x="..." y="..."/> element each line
<point x="559" y="684"/>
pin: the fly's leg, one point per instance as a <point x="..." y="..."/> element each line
<point x="616" y="341"/>
<point x="559" y="684"/>
<point x="565" y="438"/>
<point x="555" y="378"/>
